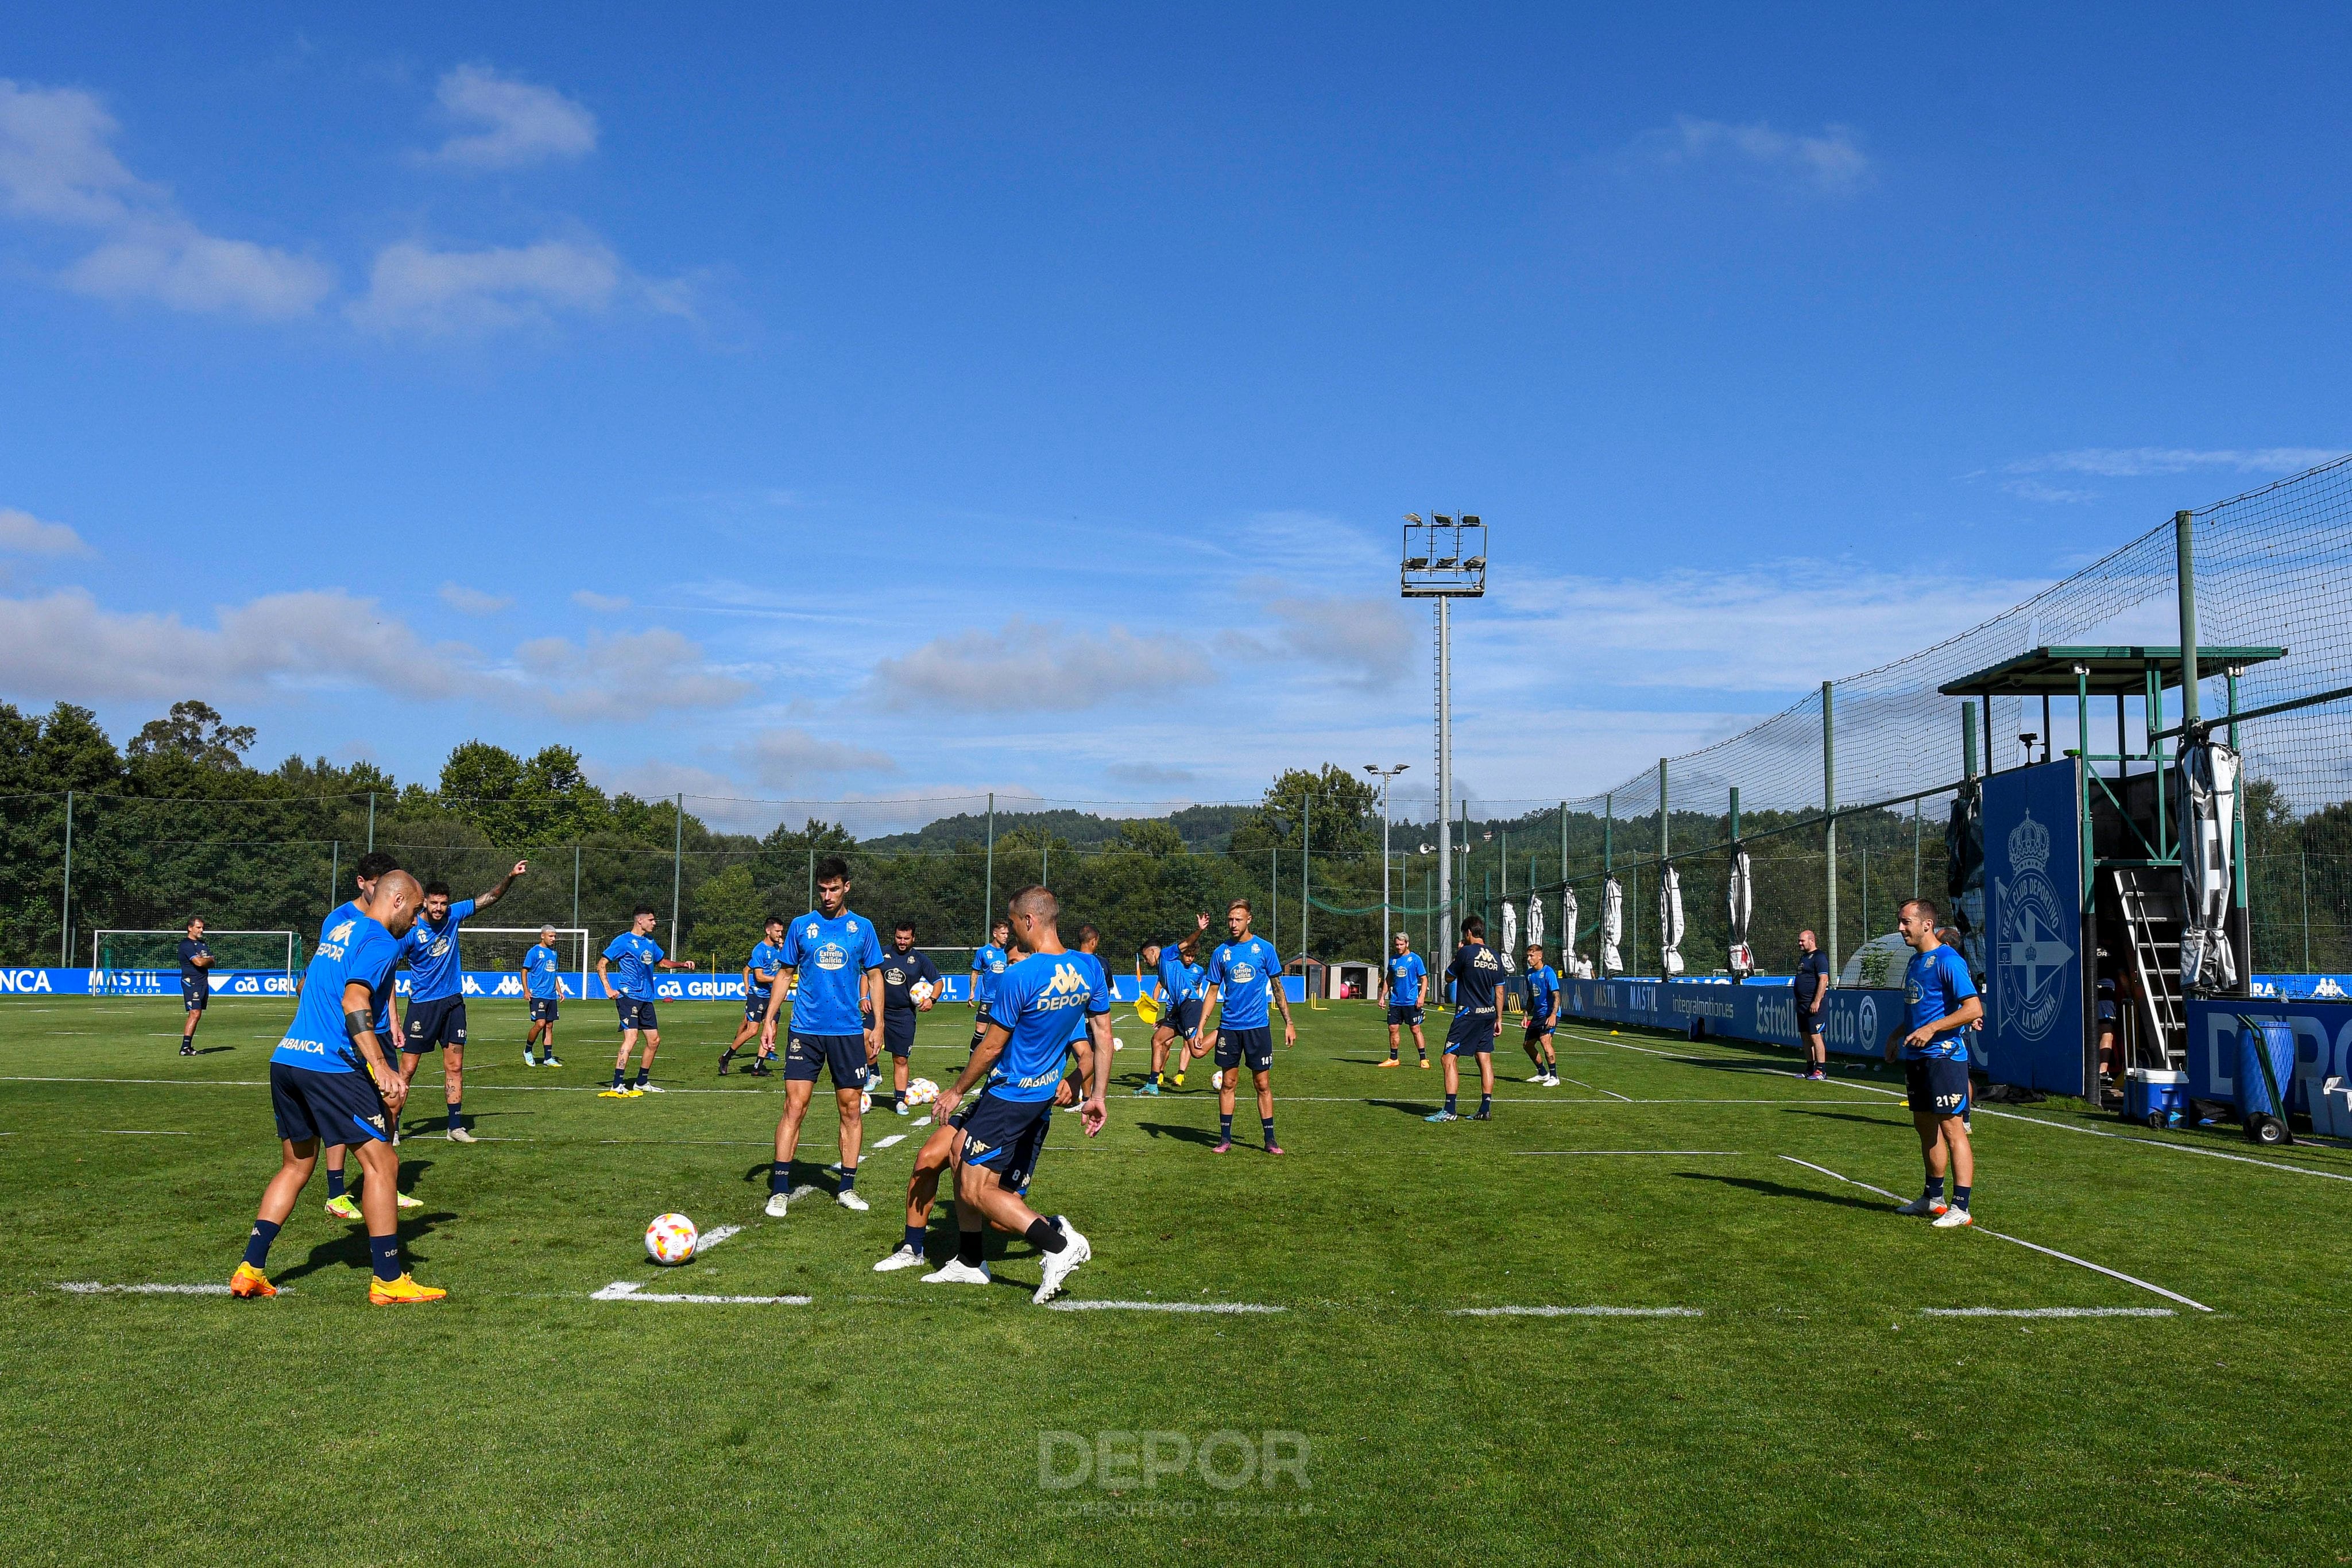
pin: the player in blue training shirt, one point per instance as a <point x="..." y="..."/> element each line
<point x="1940" y="1005"/>
<point x="632" y="991"/>
<point x="195" y="983"/>
<point x="544" y="990"/>
<point x="1021" y="1061"/>
<point x="1176" y="982"/>
<point x="759" y="976"/>
<point x="1476" y="973"/>
<point x="436" y="990"/>
<point x="987" y="963"/>
<point x="330" y="1078"/>
<point x="835" y="963"/>
<point x="1243" y="974"/>
<point x="904" y="970"/>
<point x="1405" y="974"/>
<point x="1543" y="1016"/>
<point x="370" y="868"/>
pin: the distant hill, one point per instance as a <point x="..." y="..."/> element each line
<point x="1203" y="829"/>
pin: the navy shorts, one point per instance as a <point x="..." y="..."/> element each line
<point x="332" y="1107"/>
<point x="1183" y="1018"/>
<point x="1253" y="1046"/>
<point x="1473" y="1032"/>
<point x="1404" y="1014"/>
<point x="1809" y="1024"/>
<point x="755" y="1004"/>
<point x="1937" y="1085"/>
<point x="1005" y="1135"/>
<point x="635" y="1013"/>
<point x="441" y="1021"/>
<point x="842" y="1055"/>
<point x="897" y="1030"/>
<point x="542" y="1009"/>
<point x="196" y="995"/>
<point x="1538" y="1032"/>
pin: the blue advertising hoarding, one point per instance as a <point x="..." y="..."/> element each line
<point x="2033" y="917"/>
<point x="675" y="986"/>
<point x="2322" y="1050"/>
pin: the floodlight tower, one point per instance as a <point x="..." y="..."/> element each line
<point x="1445" y="559"/>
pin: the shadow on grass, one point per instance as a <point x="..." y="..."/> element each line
<point x="1200" y="1136"/>
<point x="1410" y="1107"/>
<point x="1849" y="1116"/>
<point x="214" y="1049"/>
<point x="1776" y="1189"/>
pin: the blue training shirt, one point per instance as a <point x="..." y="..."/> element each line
<point x="542" y="972"/>
<point x="767" y="958"/>
<point x="1176" y="975"/>
<point x="1935" y="983"/>
<point x="634" y="957"/>
<point x="832" y="956"/>
<point x="432" y="954"/>
<point x="1404" y="979"/>
<point x="1099" y="979"/>
<point x="1036" y="1000"/>
<point x="1244" y="973"/>
<point x="1543" y="985"/>
<point x="1475" y="972"/>
<point x="354" y="949"/>
<point x="988" y="963"/>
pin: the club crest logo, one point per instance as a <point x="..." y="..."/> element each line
<point x="2034" y="955"/>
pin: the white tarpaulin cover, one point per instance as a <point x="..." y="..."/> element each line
<point x="2209" y="783"/>
<point x="1741" y="896"/>
<point x="1670" y="921"/>
<point x="1510" y="935"/>
<point x="1535" y="924"/>
<point x="1612" y="926"/>
<point x="1567" y="916"/>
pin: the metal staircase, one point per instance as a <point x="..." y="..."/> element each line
<point x="2153" y="914"/>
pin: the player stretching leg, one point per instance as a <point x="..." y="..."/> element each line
<point x="987" y="963"/>
<point x="832" y="954"/>
<point x="195" y="983"/>
<point x="542" y="983"/>
<point x="1021" y="1059"/>
<point x="910" y="984"/>
<point x="1476" y="974"/>
<point x="632" y="997"/>
<point x="1543" y="1016"/>
<point x="436" y="990"/>
<point x="1405" y="973"/>
<point x="328" y="1079"/>
<point x="1243" y="974"/>
<point x="1940" y="1003"/>
<point x="364" y="875"/>
<point x="759" y="974"/>
<point x="1177" y="979"/>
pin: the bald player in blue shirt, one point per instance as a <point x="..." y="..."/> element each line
<point x="1245" y="975"/>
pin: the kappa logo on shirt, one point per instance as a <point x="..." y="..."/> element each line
<point x="342" y="932"/>
<point x="1067" y="978"/>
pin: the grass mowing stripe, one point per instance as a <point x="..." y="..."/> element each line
<point x="1573" y="1313"/>
<point x="1570" y="1152"/>
<point x="2047" y="1312"/>
<point x="1067" y="1305"/>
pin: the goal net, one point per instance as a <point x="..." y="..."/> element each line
<point x="129" y="960"/>
<point x="500" y="949"/>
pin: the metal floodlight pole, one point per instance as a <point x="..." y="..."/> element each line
<point x="1445" y="773"/>
<point x="1444" y="559"/>
<point x="1829" y="814"/>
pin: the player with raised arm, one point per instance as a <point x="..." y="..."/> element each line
<point x="639" y="957"/>
<point x="1021" y="1063"/>
<point x="1543" y="1018"/>
<point x="365" y="873"/>
<point x="195" y="983"/>
<point x="911" y="985"/>
<point x="1476" y="973"/>
<point x="543" y="986"/>
<point x="1405" y="975"/>
<point x="1244" y="973"/>
<point x="1178" y="980"/>
<point x="436" y="990"/>
<point x="832" y="956"/>
<point x="759" y="976"/>
<point x="1940" y="1005"/>
<point x="330" y="1078"/>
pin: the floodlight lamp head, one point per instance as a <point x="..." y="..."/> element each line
<point x="1413" y="517"/>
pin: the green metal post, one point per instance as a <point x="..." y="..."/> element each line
<point x="371" y="819"/>
<point x="1305" y="854"/>
<point x="1968" y="739"/>
<point x="1914" y="848"/>
<point x="1735" y="813"/>
<point x="65" y="903"/>
<point x="678" y="873"/>
<point x="2185" y="587"/>
<point x="2238" y="821"/>
<point x="988" y="880"/>
<point x="2082" y="773"/>
<point x="1829" y="813"/>
<point x="2154" y="713"/>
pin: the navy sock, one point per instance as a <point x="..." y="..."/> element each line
<point x="1959" y="1196"/>
<point x="334" y="1184"/>
<point x="256" y="1245"/>
<point x="971" y="1248"/>
<point x="915" y="1235"/>
<point x="779" y="1176"/>
<point x="848" y="1177"/>
<point x="643" y="1074"/>
<point x="1046" y="1236"/>
<point x="1394" y="1054"/>
<point x="1267" y="1122"/>
<point x="1225" y="1127"/>
<point x="1449" y="1101"/>
<point x="383" y="1251"/>
<point x="1485" y="1104"/>
<point x="456" y="1114"/>
<point x="620" y="1076"/>
<point x="1935" y="1186"/>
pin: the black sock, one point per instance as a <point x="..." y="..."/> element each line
<point x="1046" y="1236"/>
<point x="971" y="1248"/>
<point x="1485" y="1104"/>
<point x="914" y="1234"/>
<point x="620" y="1076"/>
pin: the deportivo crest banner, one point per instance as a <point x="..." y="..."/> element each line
<point x="2034" y="919"/>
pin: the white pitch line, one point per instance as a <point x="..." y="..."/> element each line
<point x="139" y="1132"/>
<point x="1067" y="1305"/>
<point x="1580" y="1083"/>
<point x="712" y="1238"/>
<point x="90" y="1288"/>
<point x="628" y="1291"/>
<point x="1573" y="1313"/>
<point x="2047" y="1312"/>
<point x="923" y="1122"/>
<point x="2019" y="1241"/>
<point x="1568" y="1151"/>
<point x="893" y="1138"/>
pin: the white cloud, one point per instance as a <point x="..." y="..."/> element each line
<point x="2035" y="490"/>
<point x="1368" y="643"/>
<point x="473" y="600"/>
<point x="605" y="603"/>
<point x="517" y="123"/>
<point x="412" y="287"/>
<point x="1830" y="162"/>
<point x="1028" y="667"/>
<point x="783" y="757"/>
<point x="2134" y="462"/>
<point x="626" y="677"/>
<point x="56" y="165"/>
<point x="21" y="533"/>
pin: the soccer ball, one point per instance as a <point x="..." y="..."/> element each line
<point x="1116" y="1045"/>
<point x="922" y="1092"/>
<point x="671" y="1240"/>
<point x="864" y="1101"/>
<point x="1217" y="1079"/>
<point x="921" y="991"/>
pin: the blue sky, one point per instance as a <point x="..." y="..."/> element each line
<point x="800" y="405"/>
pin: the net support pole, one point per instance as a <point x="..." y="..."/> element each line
<point x="676" y="871"/>
<point x="1665" y="841"/>
<point x="988" y="881"/>
<point x="2185" y="580"/>
<point x="1829" y="814"/>
<point x="65" y="901"/>
<point x="1445" y="776"/>
<point x="1735" y="813"/>
<point x="371" y="820"/>
<point x="1563" y="855"/>
<point x="1306" y="857"/>
<point x="1968" y="739"/>
<point x="335" y="871"/>
<point x="575" y="886"/>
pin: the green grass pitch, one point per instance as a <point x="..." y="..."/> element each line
<point x="1805" y="1403"/>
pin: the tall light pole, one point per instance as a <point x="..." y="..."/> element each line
<point x="1444" y="559"/>
<point x="1384" y="775"/>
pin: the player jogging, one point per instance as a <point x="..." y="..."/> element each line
<point x="1027" y="1041"/>
<point x="195" y="983"/>
<point x="1476" y="973"/>
<point x="1243" y="973"/>
<point x="1543" y="1016"/>
<point x="1940" y="1004"/>
<point x="910" y="984"/>
<point x="1405" y="974"/>
<point x="834" y="960"/>
<point x="339" y="1202"/>
<point x="759" y="974"/>
<point x="436" y="990"/>
<point x="542" y="984"/>
<point x="330" y="1078"/>
<point x="1178" y="978"/>
<point x="1810" y="988"/>
<point x="632" y="997"/>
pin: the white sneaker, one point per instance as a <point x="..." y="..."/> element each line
<point x="955" y="1271"/>
<point x="776" y="1205"/>
<point x="1060" y="1266"/>
<point x="650" y="1089"/>
<point x="1551" y="1079"/>
<point x="905" y="1257"/>
<point x="903" y="1109"/>
<point x="847" y="1197"/>
<point x="1953" y="1218"/>
<point x="459" y="1135"/>
<point x="1923" y="1204"/>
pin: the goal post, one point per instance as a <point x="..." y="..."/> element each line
<point x="500" y="949"/>
<point x="134" y="951"/>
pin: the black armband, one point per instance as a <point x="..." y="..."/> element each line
<point x="356" y="1024"/>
